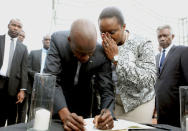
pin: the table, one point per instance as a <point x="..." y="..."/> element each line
<point x="163" y="126"/>
<point x="23" y="127"/>
<point x="58" y="127"/>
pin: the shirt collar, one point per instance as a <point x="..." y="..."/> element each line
<point x="168" y="48"/>
<point x="44" y="50"/>
<point x="9" y="38"/>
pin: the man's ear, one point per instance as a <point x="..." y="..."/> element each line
<point x="8" y="26"/>
<point x="124" y="27"/>
<point x="173" y="36"/>
<point x="69" y="39"/>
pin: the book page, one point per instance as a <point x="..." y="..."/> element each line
<point x="119" y="125"/>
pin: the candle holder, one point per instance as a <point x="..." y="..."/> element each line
<point x="183" y="90"/>
<point x="41" y="102"/>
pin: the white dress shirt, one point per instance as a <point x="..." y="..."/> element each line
<point x="43" y="59"/>
<point x="3" y="70"/>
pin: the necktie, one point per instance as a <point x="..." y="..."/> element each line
<point x="162" y="60"/>
<point x="11" y="53"/>
<point x="77" y="73"/>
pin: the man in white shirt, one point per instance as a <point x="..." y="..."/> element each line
<point x="46" y="45"/>
<point x="37" y="58"/>
<point x="13" y="72"/>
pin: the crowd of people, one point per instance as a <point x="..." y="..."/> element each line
<point x="120" y="78"/>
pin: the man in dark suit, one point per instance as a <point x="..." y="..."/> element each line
<point x="172" y="73"/>
<point x="78" y="62"/>
<point x="37" y="59"/>
<point x="13" y="72"/>
<point x="22" y="107"/>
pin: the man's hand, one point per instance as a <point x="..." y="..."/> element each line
<point x="20" y="96"/>
<point x="71" y="121"/>
<point x="104" y="121"/>
<point x="109" y="45"/>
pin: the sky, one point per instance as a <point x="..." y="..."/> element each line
<point x="35" y="16"/>
<point x="142" y="17"/>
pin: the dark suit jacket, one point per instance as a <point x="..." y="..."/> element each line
<point x="173" y="74"/>
<point x="34" y="65"/>
<point x="18" y="73"/>
<point x="62" y="63"/>
<point x="157" y="58"/>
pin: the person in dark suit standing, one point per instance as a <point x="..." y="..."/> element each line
<point x="22" y="107"/>
<point x="172" y="73"/>
<point x="13" y="72"/>
<point x="78" y="62"/>
<point x="36" y="60"/>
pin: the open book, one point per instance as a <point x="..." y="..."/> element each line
<point x="119" y="125"/>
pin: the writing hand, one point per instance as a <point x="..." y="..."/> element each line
<point x="74" y="122"/>
<point x="104" y="121"/>
<point x="71" y="121"/>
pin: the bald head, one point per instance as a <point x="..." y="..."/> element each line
<point x="83" y="34"/>
<point x="83" y="37"/>
<point x="46" y="41"/>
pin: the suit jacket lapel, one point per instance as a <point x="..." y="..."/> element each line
<point x="87" y="66"/>
<point x="40" y="57"/>
<point x="16" y="57"/>
<point x="157" y="63"/>
<point x="2" y="46"/>
<point x="166" y="59"/>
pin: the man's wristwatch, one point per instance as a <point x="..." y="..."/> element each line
<point x="115" y="59"/>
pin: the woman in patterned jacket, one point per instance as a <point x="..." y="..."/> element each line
<point x="134" y="62"/>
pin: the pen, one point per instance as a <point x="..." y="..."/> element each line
<point x="103" y="112"/>
<point x="107" y="107"/>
